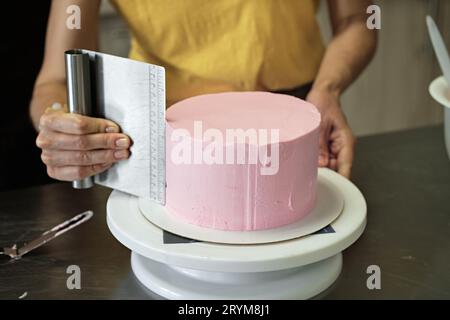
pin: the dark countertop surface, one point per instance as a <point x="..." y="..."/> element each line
<point x="405" y="177"/>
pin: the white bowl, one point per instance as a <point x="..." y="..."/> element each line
<point x="440" y="92"/>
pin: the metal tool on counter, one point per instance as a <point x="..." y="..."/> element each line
<point x="79" y="94"/>
<point x="16" y="252"/>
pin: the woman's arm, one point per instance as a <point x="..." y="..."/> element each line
<point x="50" y="84"/>
<point x="73" y="146"/>
<point x="351" y="48"/>
<point x="348" y="53"/>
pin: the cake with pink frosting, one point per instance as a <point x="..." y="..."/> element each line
<point x="241" y="160"/>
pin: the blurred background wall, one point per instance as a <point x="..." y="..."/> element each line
<point x="392" y="94"/>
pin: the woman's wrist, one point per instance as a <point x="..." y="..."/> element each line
<point x="324" y="98"/>
<point x="327" y="88"/>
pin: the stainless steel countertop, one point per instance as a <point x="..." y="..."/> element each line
<point x="405" y="177"/>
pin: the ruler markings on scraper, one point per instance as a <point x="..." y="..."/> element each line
<point x="157" y="134"/>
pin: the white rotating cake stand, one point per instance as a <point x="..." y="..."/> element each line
<point x="299" y="268"/>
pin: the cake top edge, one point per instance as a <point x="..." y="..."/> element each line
<point x="293" y="117"/>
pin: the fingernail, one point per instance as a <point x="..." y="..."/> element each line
<point x="322" y="161"/>
<point x="57" y="106"/>
<point x="122" y="142"/>
<point x="112" y="129"/>
<point x="122" y="154"/>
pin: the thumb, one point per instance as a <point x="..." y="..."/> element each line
<point x="56" y="107"/>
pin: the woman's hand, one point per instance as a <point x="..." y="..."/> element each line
<point x="75" y="147"/>
<point x="337" y="142"/>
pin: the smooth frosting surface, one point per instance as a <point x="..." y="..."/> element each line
<point x="234" y="195"/>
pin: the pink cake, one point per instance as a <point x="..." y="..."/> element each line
<point x="242" y="160"/>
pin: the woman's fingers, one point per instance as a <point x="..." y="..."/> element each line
<point x="58" y="158"/>
<point x="70" y="173"/>
<point x="61" y="141"/>
<point x="75" y="146"/>
<point x="333" y="164"/>
<point x="324" y="145"/>
<point x="343" y="147"/>
<point x="58" y="120"/>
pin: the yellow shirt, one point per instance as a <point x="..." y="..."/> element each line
<point x="211" y="46"/>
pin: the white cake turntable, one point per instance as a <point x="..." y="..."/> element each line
<point x="294" y="262"/>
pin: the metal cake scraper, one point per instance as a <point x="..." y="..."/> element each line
<point x="132" y="94"/>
